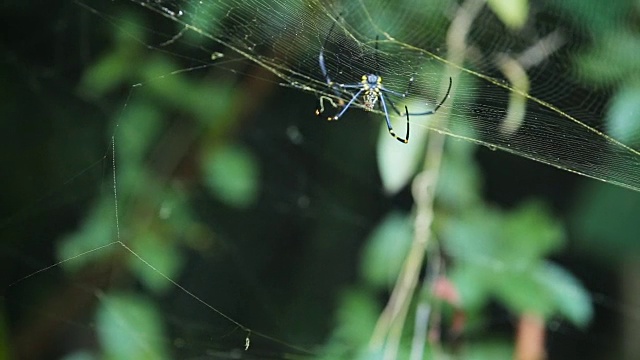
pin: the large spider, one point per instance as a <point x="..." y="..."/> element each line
<point x="372" y="90"/>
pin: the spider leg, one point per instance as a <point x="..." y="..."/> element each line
<point x="323" y="68"/>
<point x="386" y="117"/>
<point x="344" y="109"/>
<point x="335" y="88"/>
<point x="431" y="112"/>
<point x="325" y="73"/>
<point x="393" y="105"/>
<point x="395" y="93"/>
<point x="349" y="86"/>
<point x="401" y="95"/>
<point x="376" y="58"/>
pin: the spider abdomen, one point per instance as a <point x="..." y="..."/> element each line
<point x="371" y="84"/>
<point x="370" y="99"/>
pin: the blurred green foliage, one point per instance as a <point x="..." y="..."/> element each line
<point x="147" y="154"/>
<point x="501" y="256"/>
<point x="385" y="251"/>
<point x="231" y="174"/>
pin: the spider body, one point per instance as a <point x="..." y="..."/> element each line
<point x="373" y="93"/>
<point x="371" y="85"/>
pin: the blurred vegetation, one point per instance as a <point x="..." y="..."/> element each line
<point x="227" y="185"/>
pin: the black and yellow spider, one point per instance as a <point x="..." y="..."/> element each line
<point x="372" y="90"/>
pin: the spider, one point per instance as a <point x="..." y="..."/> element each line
<point x="373" y="92"/>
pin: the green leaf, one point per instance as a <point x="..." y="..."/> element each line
<point x="499" y="254"/>
<point x="529" y="233"/>
<point x="614" y="58"/>
<point x="386" y="249"/>
<point x="231" y="174"/>
<point x="399" y="162"/>
<point x="104" y="76"/>
<point x="207" y="22"/>
<point x="460" y="182"/>
<point x="162" y="255"/>
<point x="487" y="350"/>
<point x="570" y="298"/>
<point x="356" y="317"/>
<point x="80" y="355"/>
<point x="473" y="284"/>
<point x="137" y="129"/>
<point x="513" y="239"/>
<point x="623" y="115"/>
<point x="598" y="16"/>
<point x="130" y="328"/>
<point x="513" y="13"/>
<point x="91" y="242"/>
<point x="114" y="68"/>
<point x="520" y="290"/>
<point x="473" y="237"/>
<point x="459" y="185"/>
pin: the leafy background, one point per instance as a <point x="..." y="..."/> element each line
<point x="230" y="186"/>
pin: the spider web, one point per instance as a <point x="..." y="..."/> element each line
<point x="559" y="125"/>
